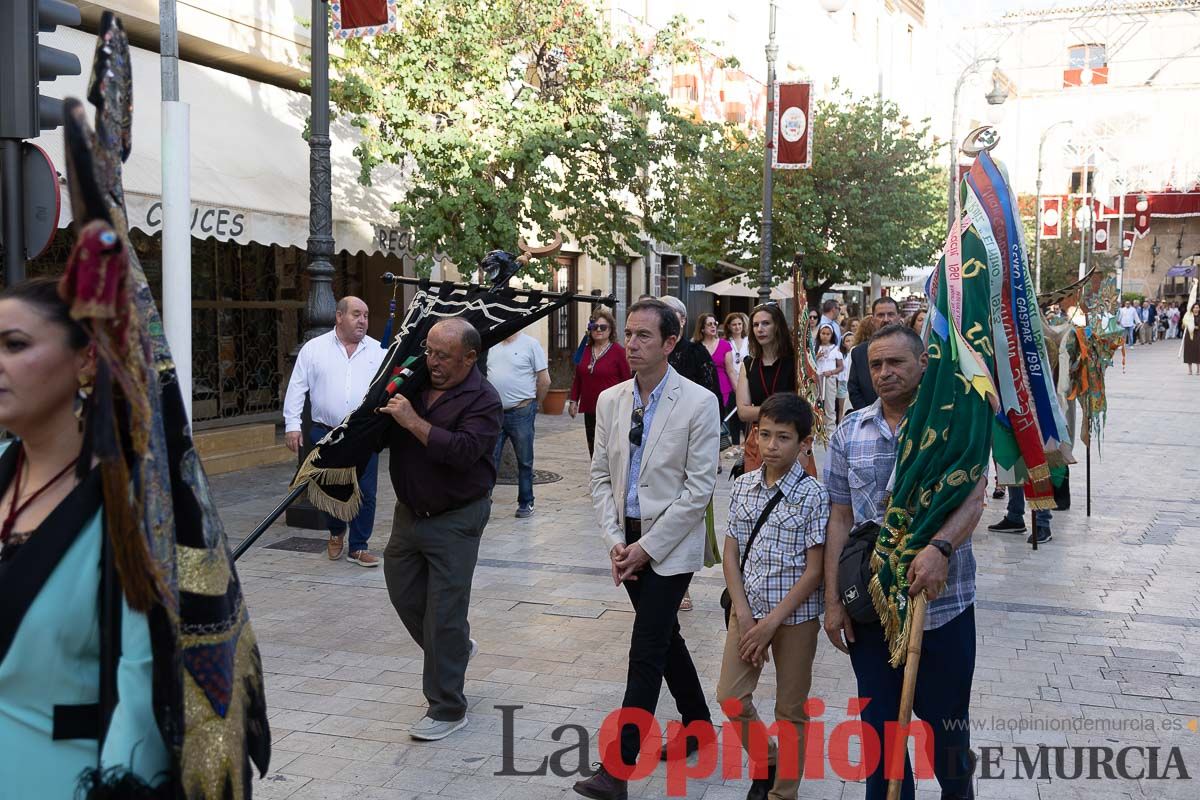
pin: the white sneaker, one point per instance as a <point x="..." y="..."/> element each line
<point x="428" y="729"/>
<point x="474" y="650"/>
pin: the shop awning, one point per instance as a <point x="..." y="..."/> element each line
<point x="249" y="162"/>
<point x="732" y="287"/>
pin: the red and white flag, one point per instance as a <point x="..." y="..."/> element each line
<point x="1128" y="238"/>
<point x="1051" y="217"/>
<point x="1141" y="223"/>
<point x="792" y="148"/>
<point x="1100" y="236"/>
<point x="351" y="18"/>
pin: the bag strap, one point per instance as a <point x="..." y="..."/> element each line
<point x="762" y="518"/>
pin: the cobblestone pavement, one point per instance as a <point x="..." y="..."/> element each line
<point x="1094" y="638"/>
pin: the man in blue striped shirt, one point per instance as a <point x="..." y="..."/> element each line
<point x="858" y="476"/>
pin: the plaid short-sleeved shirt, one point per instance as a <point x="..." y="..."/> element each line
<point x="777" y="559"/>
<point x="858" y="473"/>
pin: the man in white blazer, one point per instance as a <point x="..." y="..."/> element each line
<point x="653" y="473"/>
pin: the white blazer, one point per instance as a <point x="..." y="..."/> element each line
<point x="678" y="472"/>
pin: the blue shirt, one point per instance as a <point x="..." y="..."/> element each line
<point x="858" y="473"/>
<point x="633" y="506"/>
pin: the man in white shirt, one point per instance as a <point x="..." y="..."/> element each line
<point x="517" y="369"/>
<point x="335" y="370"/>
<point x="1129" y="319"/>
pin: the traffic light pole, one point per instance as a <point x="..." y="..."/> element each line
<point x="25" y="64"/>
<point x="10" y="199"/>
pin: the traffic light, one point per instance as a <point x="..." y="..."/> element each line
<point x="24" y="63"/>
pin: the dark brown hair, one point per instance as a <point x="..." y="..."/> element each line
<point x="783" y="335"/>
<point x="42" y="294"/>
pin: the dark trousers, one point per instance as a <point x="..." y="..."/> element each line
<point x="589" y="429"/>
<point x="428" y="566"/>
<point x="943" y="699"/>
<point x="735" y="422"/>
<point x="364" y="521"/>
<point x="657" y="651"/>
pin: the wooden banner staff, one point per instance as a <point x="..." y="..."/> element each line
<point x="908" y="690"/>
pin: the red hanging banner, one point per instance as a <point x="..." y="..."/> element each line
<point x="1100" y="236"/>
<point x="1128" y="238"/>
<point x="792" y="147"/>
<point x="1051" y="217"/>
<point x="356" y="18"/>
<point x="1141" y="223"/>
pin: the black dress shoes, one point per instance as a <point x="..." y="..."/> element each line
<point x="603" y="786"/>
<point x="761" y="787"/>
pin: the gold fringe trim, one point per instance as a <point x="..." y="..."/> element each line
<point x="316" y="477"/>
<point x="1041" y="503"/>
<point x="899" y="644"/>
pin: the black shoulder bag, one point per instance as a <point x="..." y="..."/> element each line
<point x="854" y="573"/>
<point x="726" y="600"/>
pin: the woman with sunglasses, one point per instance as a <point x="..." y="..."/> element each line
<point x="603" y="365"/>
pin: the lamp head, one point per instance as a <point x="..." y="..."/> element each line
<point x="999" y="93"/>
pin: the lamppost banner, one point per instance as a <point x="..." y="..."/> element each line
<point x="1129" y="237"/>
<point x="1100" y="236"/>
<point x="1051" y="217"/>
<point x="792" y="148"/>
<point x="353" y="18"/>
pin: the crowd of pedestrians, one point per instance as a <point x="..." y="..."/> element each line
<point x="653" y="412"/>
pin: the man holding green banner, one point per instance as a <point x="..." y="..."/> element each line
<point x="979" y="388"/>
<point x="862" y="455"/>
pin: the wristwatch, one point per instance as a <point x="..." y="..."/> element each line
<point x="942" y="546"/>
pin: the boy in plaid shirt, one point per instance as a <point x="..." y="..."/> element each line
<point x="777" y="601"/>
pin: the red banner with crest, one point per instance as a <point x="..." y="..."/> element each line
<point x="792" y="147"/>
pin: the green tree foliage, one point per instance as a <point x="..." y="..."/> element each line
<point x="873" y="200"/>
<point x="511" y="116"/>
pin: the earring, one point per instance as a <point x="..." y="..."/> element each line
<point x="81" y="398"/>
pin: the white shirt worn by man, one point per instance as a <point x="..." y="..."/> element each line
<point x="512" y="368"/>
<point x="1128" y="317"/>
<point x="335" y="381"/>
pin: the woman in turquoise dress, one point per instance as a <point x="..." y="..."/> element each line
<point x="51" y="725"/>
<point x="128" y="665"/>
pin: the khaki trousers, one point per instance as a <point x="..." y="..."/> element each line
<point x="793" y="650"/>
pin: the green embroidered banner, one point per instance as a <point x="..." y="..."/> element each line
<point x="933" y="475"/>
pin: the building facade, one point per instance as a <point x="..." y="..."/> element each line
<point x="1107" y="94"/>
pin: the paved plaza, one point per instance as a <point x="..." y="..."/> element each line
<point x="1093" y="639"/>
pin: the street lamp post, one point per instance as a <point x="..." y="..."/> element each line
<point x="319" y="312"/>
<point x="321" y="307"/>
<point x="764" y="264"/>
<point x="1038" y="207"/>
<point x="995" y="97"/>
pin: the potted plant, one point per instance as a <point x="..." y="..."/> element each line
<point x="562" y="372"/>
